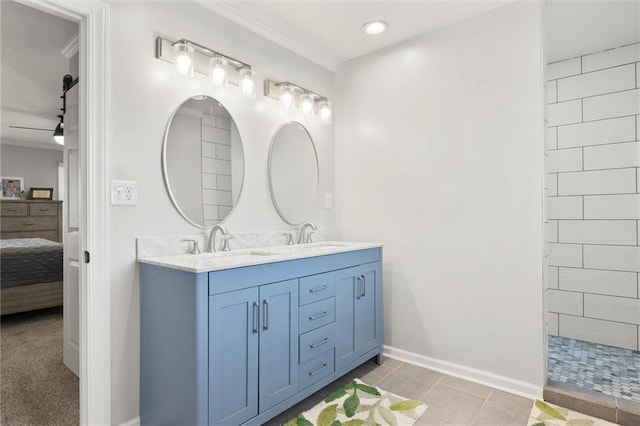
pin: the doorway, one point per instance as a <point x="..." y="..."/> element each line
<point x="94" y="330"/>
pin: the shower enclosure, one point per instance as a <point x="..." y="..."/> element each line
<point x="592" y="190"/>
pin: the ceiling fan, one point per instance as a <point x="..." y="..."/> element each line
<point x="31" y="128"/>
<point x="58" y="132"/>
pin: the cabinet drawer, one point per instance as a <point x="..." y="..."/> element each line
<point x="43" y="209"/>
<point x="14" y="209"/>
<point x="317" y="314"/>
<point x="42" y="223"/>
<point x="315" y="369"/>
<point x="317" y="287"/>
<point x="317" y="341"/>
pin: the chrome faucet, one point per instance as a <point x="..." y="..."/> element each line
<point x="301" y="235"/>
<point x="212" y="238"/>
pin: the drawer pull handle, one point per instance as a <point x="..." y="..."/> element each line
<point x="28" y="224"/>
<point x="320" y="343"/>
<point x="46" y="209"/>
<point x="317" y="289"/>
<point x="314" y="372"/>
<point x="318" y="316"/>
<point x="13" y="210"/>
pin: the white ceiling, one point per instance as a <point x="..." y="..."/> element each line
<point x="32" y="70"/>
<point x="328" y="32"/>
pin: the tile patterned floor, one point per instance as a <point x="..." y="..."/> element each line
<point x="605" y="369"/>
<point x="451" y="401"/>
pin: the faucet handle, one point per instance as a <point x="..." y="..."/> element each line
<point x="225" y="242"/>
<point x="289" y="236"/>
<point x="309" y="240"/>
<point x="196" y="247"/>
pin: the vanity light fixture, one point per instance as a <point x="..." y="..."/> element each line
<point x="183" y="54"/>
<point x="324" y="111"/>
<point x="306" y="103"/>
<point x="217" y="71"/>
<point x="286" y="96"/>
<point x="291" y="95"/>
<point x="190" y="57"/>
<point x="247" y="83"/>
<point x="375" y="27"/>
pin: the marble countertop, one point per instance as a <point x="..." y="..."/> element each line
<point x="207" y="262"/>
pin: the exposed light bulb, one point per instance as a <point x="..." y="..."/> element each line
<point x="184" y="61"/>
<point x="286" y="96"/>
<point x="183" y="64"/>
<point x="58" y="134"/>
<point x="306" y="103"/>
<point x="325" y="112"/>
<point x="247" y="83"/>
<point x="374" y="27"/>
<point x="218" y="71"/>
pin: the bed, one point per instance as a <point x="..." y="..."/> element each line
<point x="30" y="274"/>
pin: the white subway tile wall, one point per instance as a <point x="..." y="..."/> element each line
<point x="216" y="168"/>
<point x="593" y="197"/>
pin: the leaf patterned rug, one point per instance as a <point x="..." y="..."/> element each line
<point x="358" y="404"/>
<point x="545" y="414"/>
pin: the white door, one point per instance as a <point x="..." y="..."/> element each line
<point x="71" y="223"/>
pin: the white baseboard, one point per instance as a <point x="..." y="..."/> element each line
<point x="132" y="422"/>
<point x="507" y="384"/>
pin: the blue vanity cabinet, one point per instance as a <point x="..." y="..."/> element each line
<point x="239" y="346"/>
<point x="359" y="312"/>
<point x="253" y="349"/>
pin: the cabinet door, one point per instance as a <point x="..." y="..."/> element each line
<point x="278" y="343"/>
<point x="358" y="312"/>
<point x="233" y="357"/>
<point x="367" y="328"/>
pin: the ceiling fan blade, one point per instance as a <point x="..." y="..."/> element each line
<point x="31" y="128"/>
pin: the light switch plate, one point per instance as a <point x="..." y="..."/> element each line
<point x="124" y="193"/>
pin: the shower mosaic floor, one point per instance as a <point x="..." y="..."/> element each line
<point x="590" y="366"/>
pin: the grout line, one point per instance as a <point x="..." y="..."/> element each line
<point x="482" y="406"/>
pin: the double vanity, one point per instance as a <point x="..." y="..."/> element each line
<point x="237" y="337"/>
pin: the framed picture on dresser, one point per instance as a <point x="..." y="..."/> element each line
<point x="41" y="193"/>
<point x="12" y="187"/>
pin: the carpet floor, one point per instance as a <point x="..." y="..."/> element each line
<point x="35" y="386"/>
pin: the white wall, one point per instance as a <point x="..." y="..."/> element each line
<point x="38" y="167"/>
<point x="439" y="155"/>
<point x="593" y="197"/>
<point x="144" y="93"/>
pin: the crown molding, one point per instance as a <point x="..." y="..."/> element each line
<point x="228" y="11"/>
<point x="72" y="47"/>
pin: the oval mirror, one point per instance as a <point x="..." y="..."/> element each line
<point x="293" y="173"/>
<point x="203" y="161"/>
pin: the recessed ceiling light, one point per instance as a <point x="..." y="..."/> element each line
<point x="374" y="27"/>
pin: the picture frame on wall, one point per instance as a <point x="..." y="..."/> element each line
<point x="12" y="187"/>
<point x="41" y="193"/>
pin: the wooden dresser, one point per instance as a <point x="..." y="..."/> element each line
<point x="31" y="219"/>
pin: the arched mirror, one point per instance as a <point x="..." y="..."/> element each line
<point x="293" y="173"/>
<point x="203" y="161"/>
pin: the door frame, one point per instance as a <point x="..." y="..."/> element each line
<point x="95" y="324"/>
